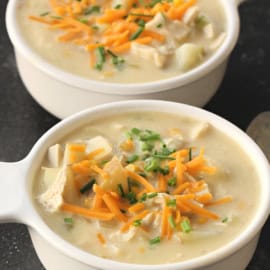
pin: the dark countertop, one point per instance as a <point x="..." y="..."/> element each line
<point x="244" y="93"/>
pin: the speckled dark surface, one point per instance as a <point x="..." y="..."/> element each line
<point x="244" y="93"/>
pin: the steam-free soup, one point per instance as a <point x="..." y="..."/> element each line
<point x="123" y="41"/>
<point x="147" y="188"/>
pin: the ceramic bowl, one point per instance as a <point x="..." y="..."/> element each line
<point x="62" y="93"/>
<point x="17" y="204"/>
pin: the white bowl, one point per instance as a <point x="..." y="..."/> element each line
<point x="16" y="203"/>
<point x="63" y="93"/>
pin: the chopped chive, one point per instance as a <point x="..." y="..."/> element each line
<point x="137" y="33"/>
<point x="159" y="25"/>
<point x="140" y="22"/>
<point x="162" y="157"/>
<point x="155" y="240"/>
<point x="185" y="225"/>
<point x="152" y="195"/>
<point x="118" y="6"/>
<point x="224" y="220"/>
<point x="152" y="165"/>
<point x="141" y="15"/>
<point x="141" y="174"/>
<point x="143" y="198"/>
<point x="94" y="27"/>
<point x="131" y="197"/>
<point x="190" y="154"/>
<point x="57" y="17"/>
<point x="137" y="222"/>
<point x="83" y="20"/>
<point x="103" y="162"/>
<point x="172" y="182"/>
<point x="44" y="14"/>
<point x="147" y="146"/>
<point x="201" y="21"/>
<point x="100" y="52"/>
<point x="68" y="221"/>
<point x="121" y="190"/>
<point x="154" y="2"/>
<point x="135" y="131"/>
<point x="171" y="221"/>
<point x="149" y="135"/>
<point x="171" y="203"/>
<point x="123" y="211"/>
<point x="164" y="170"/>
<point x="93" y="9"/>
<point x="88" y="186"/>
<point x="132" y="158"/>
<point x="116" y="60"/>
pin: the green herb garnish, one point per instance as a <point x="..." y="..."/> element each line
<point x="171" y="203"/>
<point x="100" y="52"/>
<point x="132" y="158"/>
<point x="137" y="223"/>
<point x="121" y="190"/>
<point x="155" y="240"/>
<point x="143" y="198"/>
<point x="159" y="25"/>
<point x="88" y="186"/>
<point x="201" y="21"/>
<point x="137" y="33"/>
<point x="141" y="15"/>
<point x="171" y="222"/>
<point x="118" y="6"/>
<point x="190" y="154"/>
<point x="224" y="220"/>
<point x="93" y="9"/>
<point x="116" y="60"/>
<point x="68" y="221"/>
<point x="152" y="195"/>
<point x="185" y="225"/>
<point x="44" y="14"/>
<point x="131" y="197"/>
<point x="172" y="182"/>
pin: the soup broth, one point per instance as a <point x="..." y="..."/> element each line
<point x="174" y="47"/>
<point x="199" y="188"/>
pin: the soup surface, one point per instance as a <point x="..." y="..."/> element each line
<point x="147" y="188"/>
<point x="123" y="41"/>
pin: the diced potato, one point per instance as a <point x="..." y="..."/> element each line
<point x="72" y="156"/>
<point x="62" y="189"/>
<point x="97" y="143"/>
<point x="49" y="175"/>
<point x="190" y="15"/>
<point x="189" y="55"/>
<point x="117" y="175"/>
<point x="55" y="156"/>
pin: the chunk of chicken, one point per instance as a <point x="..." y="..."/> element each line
<point x="190" y="15"/>
<point x="157" y="23"/>
<point x="55" y="156"/>
<point x="199" y="130"/>
<point x="209" y="31"/>
<point x="179" y="30"/>
<point x="117" y="175"/>
<point x="123" y="4"/>
<point x="49" y="175"/>
<point x="175" y="142"/>
<point x="216" y="43"/>
<point x="148" y="53"/>
<point x="62" y="189"/>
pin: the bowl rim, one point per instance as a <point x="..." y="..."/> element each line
<point x="131" y="89"/>
<point x="229" y="129"/>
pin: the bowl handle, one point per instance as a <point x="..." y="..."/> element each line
<point x="239" y="2"/>
<point x="12" y="191"/>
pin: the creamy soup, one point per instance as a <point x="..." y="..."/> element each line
<point x="123" y="41"/>
<point x="147" y="188"/>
